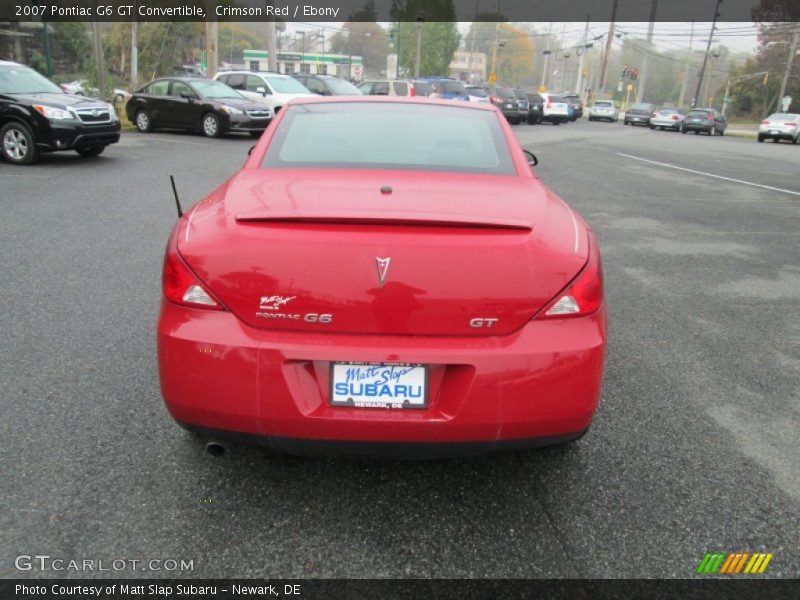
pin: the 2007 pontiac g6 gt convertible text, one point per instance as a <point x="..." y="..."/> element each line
<point x="383" y="276"/>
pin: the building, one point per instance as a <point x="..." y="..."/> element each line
<point x="340" y="65"/>
<point x="468" y="66"/>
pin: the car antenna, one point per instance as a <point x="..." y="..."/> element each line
<point x="175" y="193"/>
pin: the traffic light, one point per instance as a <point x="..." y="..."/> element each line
<point x="625" y="71"/>
<point x="634" y="74"/>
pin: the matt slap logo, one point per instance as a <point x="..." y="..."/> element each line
<point x="734" y="563"/>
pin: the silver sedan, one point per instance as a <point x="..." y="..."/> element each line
<point x="604" y="110"/>
<point x="667" y="118"/>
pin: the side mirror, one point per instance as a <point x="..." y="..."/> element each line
<point x="187" y="96"/>
<point x="249" y="152"/>
<point x="261" y="90"/>
<point x="532" y="160"/>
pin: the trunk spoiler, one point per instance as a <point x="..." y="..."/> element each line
<point x="386" y="217"/>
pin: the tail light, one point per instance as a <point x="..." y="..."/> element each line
<point x="181" y="285"/>
<point x="675" y="117"/>
<point x="654" y="115"/>
<point x="412" y="90"/>
<point x="549" y="104"/>
<point x="710" y="117"/>
<point x="790" y="123"/>
<point x="765" y="122"/>
<point x="584" y="295"/>
<point x="495" y="99"/>
<point x="63" y="87"/>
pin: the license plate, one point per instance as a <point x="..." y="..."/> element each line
<point x="379" y="385"/>
<point x="636" y="119"/>
<point x="509" y="106"/>
<point x="775" y="132"/>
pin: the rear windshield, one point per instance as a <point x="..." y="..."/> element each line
<point x="783" y="117"/>
<point x="698" y="113"/>
<point x="477" y="92"/>
<point x="640" y="106"/>
<point x="423" y="88"/>
<point x="367" y="135"/>
<point x="505" y="92"/>
<point x="554" y="98"/>
<point x="453" y="87"/>
<point x="604" y="104"/>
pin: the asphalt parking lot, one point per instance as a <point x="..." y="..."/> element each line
<point x="694" y="447"/>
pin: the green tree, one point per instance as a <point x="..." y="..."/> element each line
<point x="439" y="43"/>
<point x="74" y="42"/>
<point x="364" y="39"/>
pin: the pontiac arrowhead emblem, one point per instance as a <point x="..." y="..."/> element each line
<point x="383" y="269"/>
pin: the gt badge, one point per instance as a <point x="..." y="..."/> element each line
<point x="383" y="269"/>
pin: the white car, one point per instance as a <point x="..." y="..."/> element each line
<point x="272" y="89"/>
<point x="667" y="118"/>
<point x="555" y="108"/>
<point x="477" y="94"/>
<point x="605" y="110"/>
<point x="780" y="126"/>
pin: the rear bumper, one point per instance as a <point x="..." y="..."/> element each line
<point x="671" y="124"/>
<point x="219" y="374"/>
<point x="696" y="127"/>
<point x="783" y="135"/>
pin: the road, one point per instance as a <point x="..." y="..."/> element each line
<point x="694" y="447"/>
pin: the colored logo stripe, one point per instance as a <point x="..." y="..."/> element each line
<point x="733" y="563"/>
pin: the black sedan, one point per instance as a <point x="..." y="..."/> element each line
<point x="196" y="103"/>
<point x="707" y="120"/>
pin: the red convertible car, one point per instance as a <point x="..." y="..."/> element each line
<point x="383" y="276"/>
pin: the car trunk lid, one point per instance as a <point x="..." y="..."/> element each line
<point x="329" y="251"/>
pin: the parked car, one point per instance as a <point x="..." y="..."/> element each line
<point x="576" y="104"/>
<point x="639" y="114"/>
<point x="556" y="109"/>
<point x="334" y="311"/>
<point x="667" y="118"/>
<point x="192" y="104"/>
<point x="272" y="89"/>
<point x="81" y="87"/>
<point x="477" y="94"/>
<point x="522" y="104"/>
<point x="707" y="120"/>
<point x="780" y="126"/>
<point x="604" y="110"/>
<point x="188" y="70"/>
<point x="36" y="116"/>
<point x="448" y="89"/>
<point x="388" y="87"/>
<point x="535" y="108"/>
<point x="327" y="85"/>
<point x="505" y="100"/>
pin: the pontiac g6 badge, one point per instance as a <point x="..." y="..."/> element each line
<point x="383" y="269"/>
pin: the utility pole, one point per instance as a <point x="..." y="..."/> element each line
<point x="134" y="55"/>
<point x="788" y="71"/>
<point x="212" y="56"/>
<point x="579" y="82"/>
<point x="604" y="68"/>
<point x="685" y="83"/>
<point x="547" y="56"/>
<point x="705" y="58"/>
<point x="98" y="59"/>
<point x="418" y="59"/>
<point x="646" y="58"/>
<point x="272" y="47"/>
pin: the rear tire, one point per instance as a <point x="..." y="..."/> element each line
<point x="795" y="140"/>
<point x="17" y="144"/>
<point x="144" y="122"/>
<point x="90" y="151"/>
<point x="760" y="140"/>
<point x="210" y="125"/>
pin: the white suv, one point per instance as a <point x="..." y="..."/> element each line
<point x="272" y="89"/>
